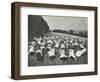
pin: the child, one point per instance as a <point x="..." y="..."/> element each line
<point x="62" y="57"/>
<point x="71" y="54"/>
<point x="32" y="59"/>
<point x="39" y="55"/>
<point x="81" y="51"/>
<point x="51" y="54"/>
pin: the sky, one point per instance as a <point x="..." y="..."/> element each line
<point x="67" y="23"/>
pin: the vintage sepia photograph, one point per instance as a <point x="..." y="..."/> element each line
<point x="57" y="40"/>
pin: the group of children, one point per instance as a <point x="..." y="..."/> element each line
<point x="43" y="49"/>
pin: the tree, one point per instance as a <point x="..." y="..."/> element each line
<point x="37" y="26"/>
<point x="71" y="31"/>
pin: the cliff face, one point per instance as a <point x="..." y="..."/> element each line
<point x="36" y="26"/>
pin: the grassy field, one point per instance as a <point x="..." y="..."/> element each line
<point x="46" y="61"/>
<point x="57" y="61"/>
<point x="65" y="35"/>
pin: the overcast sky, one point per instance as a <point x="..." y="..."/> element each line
<point x="67" y="23"/>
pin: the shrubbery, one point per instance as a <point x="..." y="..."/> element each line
<point x="72" y="32"/>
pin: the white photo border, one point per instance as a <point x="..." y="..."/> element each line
<point x="39" y="70"/>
